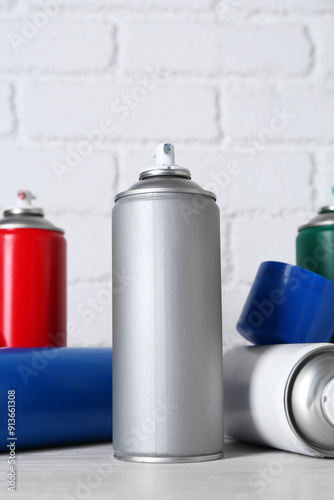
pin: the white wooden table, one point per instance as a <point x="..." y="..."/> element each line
<point x="91" y="472"/>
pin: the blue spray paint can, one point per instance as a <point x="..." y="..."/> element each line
<point x="55" y="396"/>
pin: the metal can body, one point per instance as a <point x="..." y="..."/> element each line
<point x="281" y="396"/>
<point x="61" y="396"/>
<point x="32" y="288"/>
<point x="32" y="277"/>
<point x="315" y="244"/>
<point x="167" y="330"/>
<point x="315" y="250"/>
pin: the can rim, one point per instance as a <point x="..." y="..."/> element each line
<point x="301" y="363"/>
<point x="28" y="222"/>
<point x="159" y="190"/>
<point x="24" y="212"/>
<point x="325" y="217"/>
<point x="326" y="210"/>
<point x="169" y="459"/>
<point x="153" y="172"/>
<point x="326" y="222"/>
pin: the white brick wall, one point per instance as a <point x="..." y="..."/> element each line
<point x="88" y="87"/>
<point x="53" y="110"/>
<point x="6" y="111"/>
<point x="63" y="45"/>
<point x="206" y="48"/>
<point x="307" y="111"/>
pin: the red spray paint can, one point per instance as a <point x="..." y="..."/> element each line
<point x="32" y="278"/>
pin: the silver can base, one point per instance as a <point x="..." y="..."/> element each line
<point x="168" y="460"/>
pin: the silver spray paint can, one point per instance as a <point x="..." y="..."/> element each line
<point x="167" y="323"/>
<point x="281" y="396"/>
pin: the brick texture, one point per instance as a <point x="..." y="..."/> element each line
<point x="244" y="90"/>
<point x="7" y="118"/>
<point x="293" y="113"/>
<point x="217" y="48"/>
<point x="69" y="46"/>
<point x="133" y="111"/>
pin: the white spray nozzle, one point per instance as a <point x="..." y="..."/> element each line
<point x="164" y="155"/>
<point x="24" y="198"/>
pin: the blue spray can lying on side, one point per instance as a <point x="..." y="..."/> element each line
<point x="55" y="396"/>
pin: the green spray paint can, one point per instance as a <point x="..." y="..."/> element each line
<point x="315" y="243"/>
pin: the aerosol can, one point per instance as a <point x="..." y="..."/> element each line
<point x="55" y="396"/>
<point x="315" y="243"/>
<point x="32" y="278"/>
<point x="281" y="396"/>
<point x="167" y="322"/>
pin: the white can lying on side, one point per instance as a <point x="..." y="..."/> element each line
<point x="281" y="396"/>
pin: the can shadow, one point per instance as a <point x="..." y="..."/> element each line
<point x="236" y="449"/>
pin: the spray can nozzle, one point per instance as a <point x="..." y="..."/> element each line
<point x="24" y="198"/>
<point x="164" y="155"/>
<point x="23" y="205"/>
